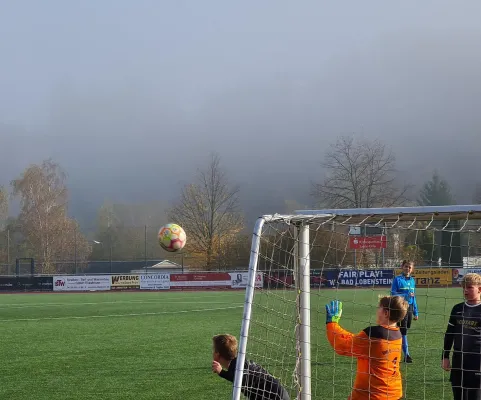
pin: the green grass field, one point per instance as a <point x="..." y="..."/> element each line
<point x="157" y="345"/>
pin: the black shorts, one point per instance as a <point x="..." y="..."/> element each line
<point x="465" y="379"/>
<point x="466" y="394"/>
<point x="406" y="321"/>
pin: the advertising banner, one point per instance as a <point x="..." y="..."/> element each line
<point x="326" y="278"/>
<point x="282" y="279"/>
<point x="155" y="281"/>
<point x="365" y="277"/>
<point x="10" y="284"/>
<point x="431" y="277"/>
<point x="42" y="283"/>
<point x="208" y="280"/>
<point x="26" y="283"/>
<point x="81" y="283"/>
<point x="367" y="242"/>
<point x="125" y="282"/>
<point x="458" y="273"/>
<point x="239" y="280"/>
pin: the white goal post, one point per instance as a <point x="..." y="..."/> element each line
<point x="282" y="324"/>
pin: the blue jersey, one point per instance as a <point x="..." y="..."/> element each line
<point x="403" y="286"/>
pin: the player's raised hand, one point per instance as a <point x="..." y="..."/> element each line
<point x="216" y="367"/>
<point x="445" y="364"/>
<point x="333" y="311"/>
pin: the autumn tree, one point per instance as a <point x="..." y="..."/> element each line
<point x="48" y="233"/>
<point x="209" y="212"/>
<point x="359" y="174"/>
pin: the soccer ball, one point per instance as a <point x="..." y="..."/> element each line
<point x="172" y="237"/>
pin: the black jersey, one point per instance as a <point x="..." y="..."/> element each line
<point x="463" y="334"/>
<point x="257" y="383"/>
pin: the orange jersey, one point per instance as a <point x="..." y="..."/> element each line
<point x="378" y="353"/>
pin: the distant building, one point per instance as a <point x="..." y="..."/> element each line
<point x="163" y="267"/>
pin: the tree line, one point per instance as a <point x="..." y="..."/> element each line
<point x="359" y="173"/>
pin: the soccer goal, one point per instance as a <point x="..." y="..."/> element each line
<point x="315" y="256"/>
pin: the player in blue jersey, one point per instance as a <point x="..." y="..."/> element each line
<point x="404" y="285"/>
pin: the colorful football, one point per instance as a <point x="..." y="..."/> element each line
<point x="172" y="237"/>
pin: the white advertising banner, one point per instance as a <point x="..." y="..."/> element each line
<point x="458" y="273"/>
<point x="155" y="281"/>
<point x="81" y="283"/>
<point x="239" y="280"/>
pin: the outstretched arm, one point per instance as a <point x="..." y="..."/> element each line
<point x="346" y="343"/>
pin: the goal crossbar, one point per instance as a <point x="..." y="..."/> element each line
<point x="393" y="214"/>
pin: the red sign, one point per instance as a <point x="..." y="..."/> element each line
<point x="213" y="279"/>
<point x="367" y="242"/>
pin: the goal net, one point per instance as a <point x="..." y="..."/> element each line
<point x="313" y="257"/>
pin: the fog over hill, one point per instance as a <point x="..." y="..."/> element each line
<point x="131" y="97"/>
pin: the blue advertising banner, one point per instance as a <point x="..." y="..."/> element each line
<point x="365" y="277"/>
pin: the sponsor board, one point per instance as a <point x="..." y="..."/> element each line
<point x="458" y="273"/>
<point x="431" y="277"/>
<point x="125" y="282"/>
<point x="155" y="281"/>
<point x="283" y="279"/>
<point x="364" y="277"/>
<point x="239" y="280"/>
<point x="26" y="283"/>
<point x="321" y="278"/>
<point x="214" y="280"/>
<point x="367" y="242"/>
<point x="42" y="283"/>
<point x="81" y="283"/>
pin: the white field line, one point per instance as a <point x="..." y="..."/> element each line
<point x="119" y="315"/>
<point x="46" y="305"/>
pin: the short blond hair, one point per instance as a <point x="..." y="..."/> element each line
<point x="471" y="279"/>
<point x="226" y="346"/>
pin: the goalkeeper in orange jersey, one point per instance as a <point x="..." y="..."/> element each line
<point x="378" y="349"/>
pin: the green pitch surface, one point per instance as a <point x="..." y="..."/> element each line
<point x="157" y="345"/>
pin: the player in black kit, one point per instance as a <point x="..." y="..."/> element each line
<point x="464" y="331"/>
<point x="257" y="383"/>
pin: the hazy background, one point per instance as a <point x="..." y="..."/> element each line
<point x="131" y="96"/>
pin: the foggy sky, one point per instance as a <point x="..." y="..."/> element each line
<point x="131" y="96"/>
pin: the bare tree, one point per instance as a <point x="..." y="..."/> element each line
<point x="48" y="232"/>
<point x="208" y="210"/>
<point x="359" y="174"/>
